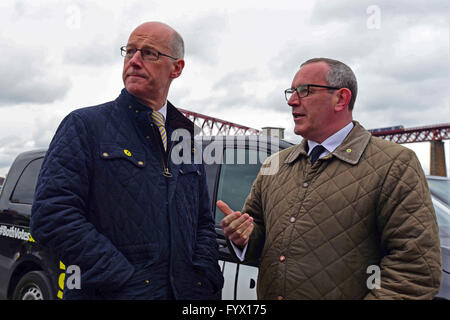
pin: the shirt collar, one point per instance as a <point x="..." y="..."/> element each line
<point x="333" y="141"/>
<point x="163" y="110"/>
<point x="350" y="150"/>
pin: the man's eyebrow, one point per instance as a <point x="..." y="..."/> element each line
<point x="147" y="46"/>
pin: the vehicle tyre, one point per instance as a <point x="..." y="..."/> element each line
<point x="34" y="285"/>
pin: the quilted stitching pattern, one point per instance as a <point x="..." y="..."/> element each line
<point x="103" y="204"/>
<point x="347" y="216"/>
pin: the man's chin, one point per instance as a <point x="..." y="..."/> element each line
<point x="133" y="88"/>
<point x="299" y="131"/>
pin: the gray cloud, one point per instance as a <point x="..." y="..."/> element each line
<point x="357" y="11"/>
<point x="240" y="91"/>
<point x="26" y="76"/>
<point x="402" y="68"/>
<point x="202" y="34"/>
<point x="96" y="54"/>
<point x="38" y="137"/>
<point x="10" y="147"/>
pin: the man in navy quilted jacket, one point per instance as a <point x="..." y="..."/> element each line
<point x="110" y="200"/>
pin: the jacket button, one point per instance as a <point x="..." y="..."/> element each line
<point x="140" y="163"/>
<point x="305" y="185"/>
<point x="292" y="219"/>
<point x="282" y="258"/>
<point x="147" y="282"/>
<point x="199" y="284"/>
<point x="105" y="154"/>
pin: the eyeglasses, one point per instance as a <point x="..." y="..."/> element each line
<point x="148" y="54"/>
<point x="303" y="90"/>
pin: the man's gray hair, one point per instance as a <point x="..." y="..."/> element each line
<point x="177" y="45"/>
<point x="340" y="75"/>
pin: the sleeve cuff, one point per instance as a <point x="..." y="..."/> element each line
<point x="240" y="253"/>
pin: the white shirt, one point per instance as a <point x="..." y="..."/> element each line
<point x="330" y="144"/>
<point x="163" y="110"/>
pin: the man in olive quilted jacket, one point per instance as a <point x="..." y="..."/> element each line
<point x="346" y="215"/>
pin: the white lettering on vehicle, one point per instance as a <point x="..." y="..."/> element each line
<point x="15" y="233"/>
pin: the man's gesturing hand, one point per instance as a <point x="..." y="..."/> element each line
<point x="236" y="226"/>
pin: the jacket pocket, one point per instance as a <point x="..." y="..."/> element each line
<point x="121" y="162"/>
<point x="189" y="169"/>
<point x="116" y="152"/>
<point x="188" y="184"/>
<point x="146" y="254"/>
<point x="204" y="287"/>
<point x="189" y="175"/>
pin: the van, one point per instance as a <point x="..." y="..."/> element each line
<point x="29" y="271"/>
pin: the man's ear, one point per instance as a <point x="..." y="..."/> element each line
<point x="178" y="67"/>
<point x="343" y="97"/>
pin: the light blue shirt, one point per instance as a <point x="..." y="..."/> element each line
<point x="330" y="144"/>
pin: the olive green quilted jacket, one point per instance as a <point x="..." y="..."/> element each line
<point x="319" y="228"/>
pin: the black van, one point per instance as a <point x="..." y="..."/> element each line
<point x="30" y="271"/>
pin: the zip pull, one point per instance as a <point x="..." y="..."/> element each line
<point x="167" y="173"/>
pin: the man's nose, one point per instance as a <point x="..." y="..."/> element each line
<point x="136" y="59"/>
<point x="294" y="100"/>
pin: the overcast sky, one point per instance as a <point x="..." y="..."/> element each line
<point x="57" y="56"/>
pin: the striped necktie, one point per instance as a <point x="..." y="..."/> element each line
<point x="159" y="120"/>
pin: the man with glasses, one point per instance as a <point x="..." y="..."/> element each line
<point x="109" y="199"/>
<point x="347" y="215"/>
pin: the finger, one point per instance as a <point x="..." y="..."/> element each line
<point x="247" y="232"/>
<point x="244" y="237"/>
<point x="242" y="231"/>
<point x="224" y="207"/>
<point x="227" y="220"/>
<point x="236" y="223"/>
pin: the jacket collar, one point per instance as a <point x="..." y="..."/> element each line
<point x="350" y="150"/>
<point x="175" y="119"/>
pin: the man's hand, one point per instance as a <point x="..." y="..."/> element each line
<point x="236" y="226"/>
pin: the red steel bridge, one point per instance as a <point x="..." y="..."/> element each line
<point x="399" y="134"/>
<point x="434" y="134"/>
<point x="214" y="126"/>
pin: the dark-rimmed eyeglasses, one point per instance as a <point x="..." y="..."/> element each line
<point x="303" y="90"/>
<point x="147" y="54"/>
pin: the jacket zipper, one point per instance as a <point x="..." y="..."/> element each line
<point x="166" y="171"/>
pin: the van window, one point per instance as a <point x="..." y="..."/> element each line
<point x="236" y="177"/>
<point x="24" y="190"/>
<point x="211" y="176"/>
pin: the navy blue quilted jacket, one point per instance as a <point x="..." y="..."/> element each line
<point x="109" y="201"/>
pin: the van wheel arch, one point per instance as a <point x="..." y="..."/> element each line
<point x="34" y="285"/>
